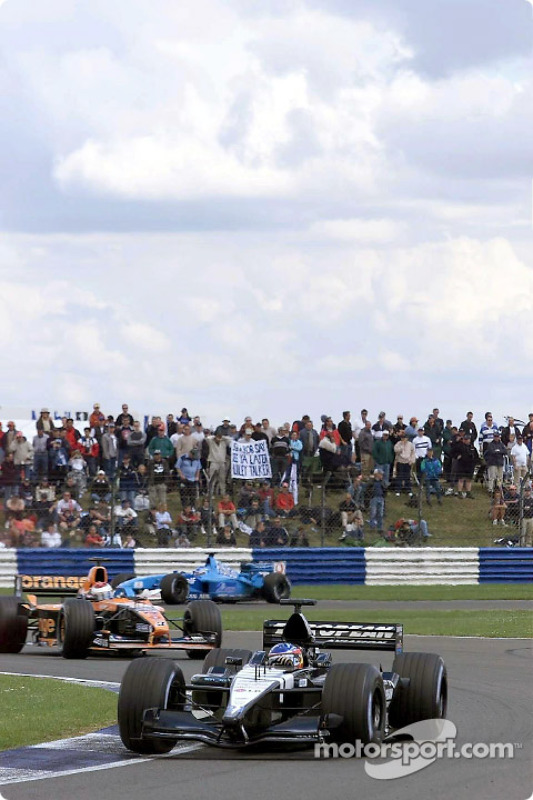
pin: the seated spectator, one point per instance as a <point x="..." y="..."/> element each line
<point x="131" y="542"/>
<point x="226" y="510"/>
<point x="207" y="517"/>
<point x="100" y="487"/>
<point x="163" y="523"/>
<point x="277" y="535"/>
<point x="68" y="513"/>
<point x="77" y="469"/>
<point x="258" y="536"/>
<point x="43" y="504"/>
<point x="93" y="538"/>
<point x="498" y="508"/>
<point x="357" y="491"/>
<point x="142" y="483"/>
<point x="226" y="537"/>
<point x="299" y="538"/>
<point x="182" y="540"/>
<point x="284" y="502"/>
<point x="355" y="530"/>
<point x="113" y="539"/>
<point x="266" y="499"/>
<point x="253" y="515"/>
<point x="188" y="522"/>
<point x="51" y="536"/>
<point x="126" y="518"/>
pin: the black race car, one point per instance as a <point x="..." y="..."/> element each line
<point x="290" y="691"/>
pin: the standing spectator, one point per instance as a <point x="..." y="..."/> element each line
<point x="40" y="454"/>
<point x="45" y="422"/>
<point x="44" y="502"/>
<point x="158" y="475"/>
<point x="268" y="429"/>
<point x="366" y="445"/>
<point x="421" y="443"/>
<point x="124" y="418"/>
<point x="466" y="458"/>
<point x="10" y="477"/>
<point x="438" y="422"/>
<point x="90" y="450"/>
<point x="494" y="458"/>
<point x="172" y="425"/>
<point x="356" y="490"/>
<point x="259" y="435"/>
<point x="127" y="483"/>
<point x="142" y="483"/>
<point x="346" y="433"/>
<point x="434" y="431"/>
<point x="520" y="459"/>
<point x="381" y="425"/>
<point x="9" y="436"/>
<point x="497" y="507"/>
<point x="280" y="456"/>
<point x="224" y="428"/>
<point x="188" y="522"/>
<point x="110" y="452"/>
<point x="412" y="429"/>
<point x="404" y="452"/>
<point x="217" y="461"/>
<point x="123" y="433"/>
<point x="431" y="469"/>
<point x="97" y="421"/>
<point x="184" y="418"/>
<point x="162" y="443"/>
<point x="510" y="432"/>
<point x="447" y="436"/>
<point x="188" y="467"/>
<point x="468" y="426"/>
<point x="309" y="439"/>
<point x="383" y="455"/>
<point x="527" y="433"/>
<point x="295" y="447"/>
<point x="487" y="431"/>
<point x="512" y="501"/>
<point x="136" y="444"/>
<point x="526" y="534"/>
<point x="377" y="501"/>
<point x="152" y="429"/>
<point x="398" y="428"/>
<point x="226" y="510"/>
<point x="72" y="435"/>
<point x="22" y="454"/>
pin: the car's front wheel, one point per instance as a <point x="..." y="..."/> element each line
<point x="276" y="587"/>
<point x="426" y="696"/>
<point x="77" y="625"/>
<point x="353" y="703"/>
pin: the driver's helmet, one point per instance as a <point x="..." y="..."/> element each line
<point x="286" y="656"/>
<point x="100" y="591"/>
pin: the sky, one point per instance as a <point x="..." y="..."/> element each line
<point x="275" y="208"/>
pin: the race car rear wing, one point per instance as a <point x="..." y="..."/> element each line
<point x="48" y="585"/>
<point x="340" y="635"/>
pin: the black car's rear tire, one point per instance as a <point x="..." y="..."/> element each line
<point x="77" y="625"/>
<point x="276" y="587"/>
<point x="217" y="657"/>
<point x="426" y="697"/>
<point x="148" y="683"/>
<point x="202" y="616"/>
<point x="174" y="589"/>
<point x="13" y="625"/>
<point x="120" y="578"/>
<point x="355" y="692"/>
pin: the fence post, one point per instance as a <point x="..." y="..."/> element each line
<point x="323" y="509"/>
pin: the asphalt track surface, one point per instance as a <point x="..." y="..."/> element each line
<point x="490" y="701"/>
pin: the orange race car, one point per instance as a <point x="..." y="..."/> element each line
<point x="95" y="621"/>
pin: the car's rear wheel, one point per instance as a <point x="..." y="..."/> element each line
<point x="426" y="696"/>
<point x="202" y="616"/>
<point x="148" y="683"/>
<point x="120" y="578"/>
<point x="174" y="589"/>
<point x="13" y="625"/>
<point x="77" y="625"/>
<point x="276" y="587"/>
<point x="354" y="699"/>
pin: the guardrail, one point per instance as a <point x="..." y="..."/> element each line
<point x="509" y="565"/>
<point x="328" y="565"/>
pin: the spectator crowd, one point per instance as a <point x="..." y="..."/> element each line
<point x="98" y="487"/>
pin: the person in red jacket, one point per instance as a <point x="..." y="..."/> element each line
<point x="284" y="502"/>
<point x="226" y="510"/>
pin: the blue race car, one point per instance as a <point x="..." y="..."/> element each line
<point x="213" y="580"/>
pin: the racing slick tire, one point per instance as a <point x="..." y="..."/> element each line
<point x="13" y="625"/>
<point x="426" y="696"/>
<point x="276" y="587"/>
<point x="77" y="625"/>
<point x="174" y="589"/>
<point x="120" y="578"/>
<point x="355" y="693"/>
<point x="202" y="616"/>
<point x="217" y="657"/>
<point x="148" y="683"/>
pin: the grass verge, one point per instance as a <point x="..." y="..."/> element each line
<point x="35" y="710"/>
<point x="483" y="591"/>
<point x="494" y="623"/>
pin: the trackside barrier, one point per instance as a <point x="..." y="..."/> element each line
<point x="318" y="565"/>
<point x="8" y="567"/>
<point x="422" y="566"/>
<point x="152" y="561"/>
<point x="66" y="561"/>
<point x="511" y="565"/>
